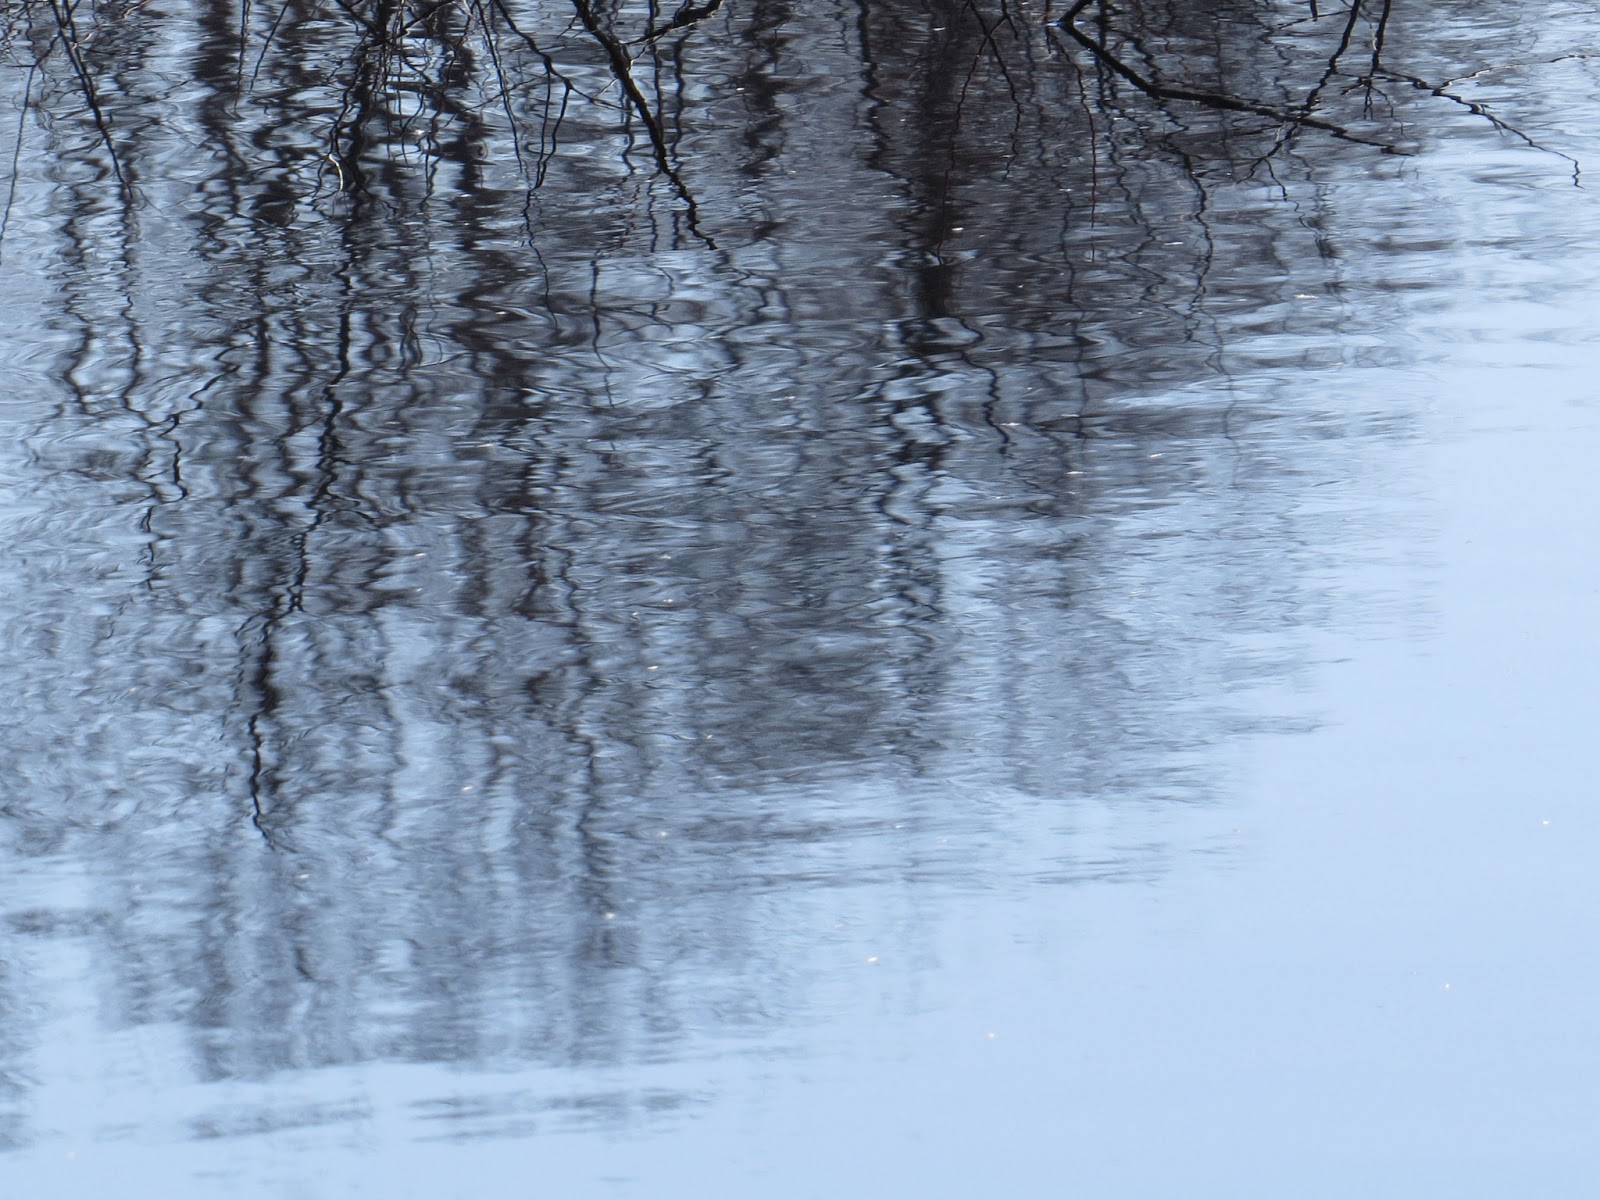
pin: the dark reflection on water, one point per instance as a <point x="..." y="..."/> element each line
<point x="462" y="622"/>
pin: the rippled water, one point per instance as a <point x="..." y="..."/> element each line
<point x="982" y="635"/>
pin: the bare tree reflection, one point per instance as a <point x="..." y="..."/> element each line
<point x="470" y="617"/>
<point x="1297" y="117"/>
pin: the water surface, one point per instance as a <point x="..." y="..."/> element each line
<point x="982" y="634"/>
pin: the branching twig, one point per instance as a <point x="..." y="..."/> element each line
<point x="689" y="14"/>
<point x="67" y="35"/>
<point x="1442" y="91"/>
<point x="622" y="68"/>
<point x="1218" y="100"/>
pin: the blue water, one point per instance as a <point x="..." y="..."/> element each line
<point x="1040" y="650"/>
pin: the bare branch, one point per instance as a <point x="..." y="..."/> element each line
<point x="1161" y="91"/>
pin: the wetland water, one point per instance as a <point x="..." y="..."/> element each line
<point x="984" y="635"/>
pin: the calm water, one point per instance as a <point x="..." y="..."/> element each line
<point x="979" y="636"/>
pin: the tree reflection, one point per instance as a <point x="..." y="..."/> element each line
<point x="501" y="558"/>
<point x="391" y="89"/>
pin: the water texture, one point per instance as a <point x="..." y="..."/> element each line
<point x="863" y="607"/>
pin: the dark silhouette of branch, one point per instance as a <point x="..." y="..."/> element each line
<point x="550" y="127"/>
<point x="71" y="44"/>
<point x="622" y="68"/>
<point x="1379" y="34"/>
<point x="266" y="43"/>
<point x="1443" y="92"/>
<point x="16" y="153"/>
<point x="989" y="43"/>
<point x="1160" y="91"/>
<point x="1329" y="74"/>
<point x="689" y="14"/>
